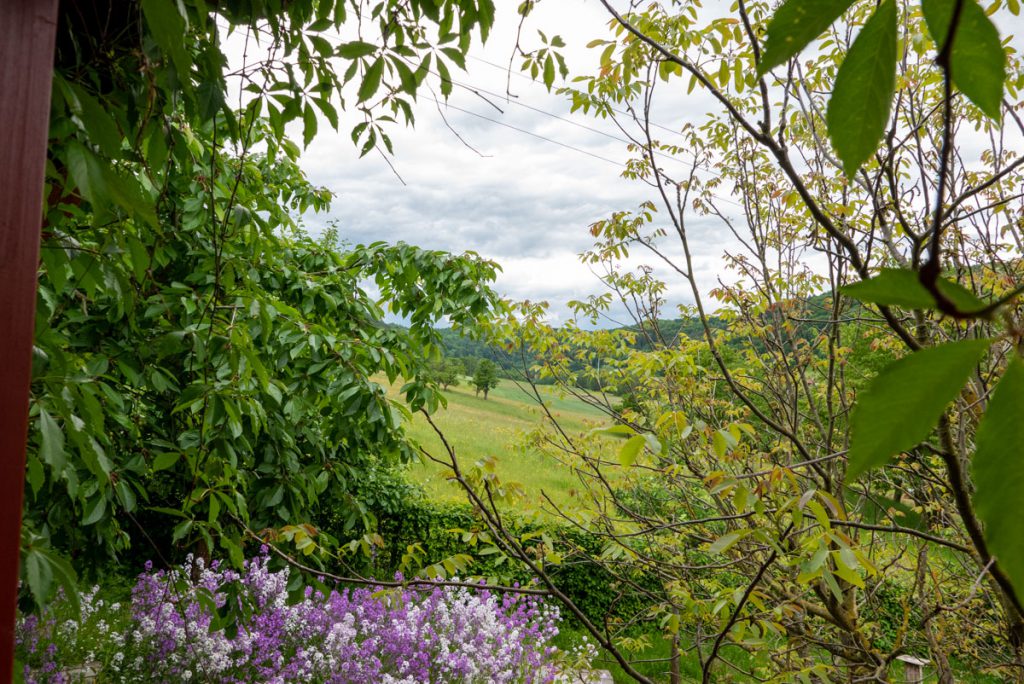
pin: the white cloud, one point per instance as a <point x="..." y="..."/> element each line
<point x="527" y="202"/>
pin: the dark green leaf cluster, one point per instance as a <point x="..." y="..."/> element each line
<point x="201" y="365"/>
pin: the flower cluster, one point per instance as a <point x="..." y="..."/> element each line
<point x="174" y="632"/>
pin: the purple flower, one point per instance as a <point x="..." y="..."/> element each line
<point x="350" y="636"/>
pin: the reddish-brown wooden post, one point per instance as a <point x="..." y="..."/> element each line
<point x="27" y="32"/>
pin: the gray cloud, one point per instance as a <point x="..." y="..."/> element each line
<point x="527" y="202"/>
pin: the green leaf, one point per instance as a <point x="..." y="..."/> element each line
<point x="817" y="560"/>
<point x="617" y="430"/>
<point x="126" y="495"/>
<point x="904" y="402"/>
<point x="39" y="575"/>
<point x="165" y="460"/>
<point x="446" y="78"/>
<point x="181" y="530"/>
<point x="719" y="444"/>
<point x="65" y="575"/>
<point x="630" y="450"/>
<point x="167" y="26"/>
<point x="978" y="61"/>
<point x="963" y="299"/>
<point x="371" y="81"/>
<point x="328" y="110"/>
<point x="408" y="78"/>
<point x="87" y="173"/>
<point x="795" y="24"/>
<point x="485" y="12"/>
<point x="549" y="72"/>
<point x="902" y="287"/>
<point x="96" y="121"/>
<point x="210" y="95"/>
<point x="456" y="56"/>
<point x="51" y="447"/>
<point x="156" y="149"/>
<point x="95" y="510"/>
<point x="726" y="542"/>
<point x="309" y="125"/>
<point x="423" y="69"/>
<point x="356" y="49"/>
<point x="653" y="443"/>
<point x="998" y="471"/>
<point x="139" y="256"/>
<point x="34" y="474"/>
<point x="862" y="97"/>
<point x="847" y="572"/>
<point x="129" y="194"/>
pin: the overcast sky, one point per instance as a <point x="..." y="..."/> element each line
<point x="535" y="178"/>
<point x="518" y="199"/>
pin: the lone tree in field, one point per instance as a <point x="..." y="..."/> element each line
<point x="451" y="371"/>
<point x="486" y="377"/>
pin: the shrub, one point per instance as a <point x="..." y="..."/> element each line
<point x="442" y="531"/>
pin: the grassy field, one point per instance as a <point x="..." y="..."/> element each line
<point x="479" y="428"/>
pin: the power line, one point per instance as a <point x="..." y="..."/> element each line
<point x="477" y="90"/>
<point x="530" y="80"/>
<point x="530" y="133"/>
<point x="507" y="98"/>
<point x="558" y="142"/>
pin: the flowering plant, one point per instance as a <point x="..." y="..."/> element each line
<point x="173" y="631"/>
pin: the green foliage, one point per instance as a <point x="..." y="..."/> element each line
<point x="786" y="392"/>
<point x="999" y="473"/>
<point x="902" y="405"/>
<point x="446" y="372"/>
<point x="977" y="62"/>
<point x="201" y="364"/>
<point x="903" y="287"/>
<point x="862" y="96"/>
<point x="486" y="377"/>
<point x="416" y="534"/>
<point x="794" y="25"/>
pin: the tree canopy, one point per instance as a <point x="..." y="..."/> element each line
<point x="486" y="377"/>
<point x="825" y="479"/>
<point x="203" y="367"/>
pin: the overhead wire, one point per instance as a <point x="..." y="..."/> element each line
<point x="478" y="90"/>
<point x="526" y="132"/>
<point x="530" y="80"/>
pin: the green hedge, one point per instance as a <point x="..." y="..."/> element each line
<point x="404" y="517"/>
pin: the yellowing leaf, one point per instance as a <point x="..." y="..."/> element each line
<point x="630" y="450"/>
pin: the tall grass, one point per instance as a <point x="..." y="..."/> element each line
<point x="499" y="427"/>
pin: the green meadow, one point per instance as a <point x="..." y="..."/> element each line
<point x="499" y="427"/>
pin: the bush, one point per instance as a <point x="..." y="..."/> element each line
<point x="410" y="525"/>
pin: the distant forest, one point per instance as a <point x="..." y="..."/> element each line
<point x="511" y="363"/>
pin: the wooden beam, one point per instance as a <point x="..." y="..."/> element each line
<point x="27" y="32"/>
